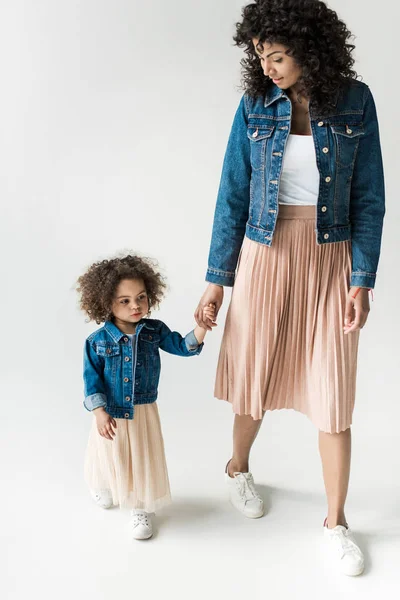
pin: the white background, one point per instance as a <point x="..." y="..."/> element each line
<point x="114" y="121"/>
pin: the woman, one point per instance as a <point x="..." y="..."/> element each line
<point x="301" y="200"/>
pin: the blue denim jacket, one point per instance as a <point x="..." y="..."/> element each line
<point x="351" y="202"/>
<point x="119" y="372"/>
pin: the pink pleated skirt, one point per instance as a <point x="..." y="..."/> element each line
<point x="283" y="344"/>
<point x="133" y="464"/>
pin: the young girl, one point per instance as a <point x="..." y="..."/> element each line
<point x="125" y="461"/>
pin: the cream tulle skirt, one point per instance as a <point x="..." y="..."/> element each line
<point x="283" y="344"/>
<point x="133" y="465"/>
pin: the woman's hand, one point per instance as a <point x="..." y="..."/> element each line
<point x="214" y="295"/>
<point x="208" y="315"/>
<point x="105" y="423"/>
<point x="357" y="309"/>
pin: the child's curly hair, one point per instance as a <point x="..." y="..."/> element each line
<point x="98" y="285"/>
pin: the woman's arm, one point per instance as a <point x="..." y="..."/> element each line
<point x="232" y="208"/>
<point x="367" y="201"/>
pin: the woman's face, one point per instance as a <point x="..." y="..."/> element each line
<point x="276" y="64"/>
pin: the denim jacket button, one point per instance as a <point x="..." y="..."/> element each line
<point x="349" y="131"/>
<point x="126" y="379"/>
<point x="127" y="398"/>
<point x="127" y="359"/>
<point x="320" y="124"/>
<point x="126" y="415"/>
<point x="108" y="351"/>
<point x="255" y="134"/>
<point x="324" y="209"/>
<point x="126" y="339"/>
<point x="326" y="236"/>
<point x="325" y="150"/>
<point x="328" y="179"/>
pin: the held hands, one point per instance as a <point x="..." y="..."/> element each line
<point x="105" y="423"/>
<point x="357" y="309"/>
<point x="214" y="296"/>
<point x="208" y="315"/>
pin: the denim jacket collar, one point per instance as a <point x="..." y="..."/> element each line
<point x="274" y="93"/>
<point x="116" y="334"/>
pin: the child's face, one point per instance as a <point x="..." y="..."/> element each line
<point x="130" y="302"/>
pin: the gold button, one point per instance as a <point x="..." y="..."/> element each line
<point x="320" y="124"/>
<point x="324" y="209"/>
<point x="326" y="236"/>
<point x="327" y="179"/>
<point x="126" y="379"/>
<point x="325" y="150"/>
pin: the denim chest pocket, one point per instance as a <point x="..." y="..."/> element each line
<point x="347" y="138"/>
<point x="149" y="345"/>
<point x="150" y="355"/>
<point x="110" y="353"/>
<point x="150" y="338"/>
<point x="259" y="135"/>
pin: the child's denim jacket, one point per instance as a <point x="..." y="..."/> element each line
<point x="120" y="372"/>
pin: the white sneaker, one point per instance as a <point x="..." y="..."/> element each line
<point x="103" y="498"/>
<point x="344" y="550"/>
<point x="142" y="528"/>
<point x="244" y="496"/>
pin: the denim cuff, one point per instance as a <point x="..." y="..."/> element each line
<point x="191" y="342"/>
<point x="361" y="279"/>
<point x="95" y="401"/>
<point x="220" y="277"/>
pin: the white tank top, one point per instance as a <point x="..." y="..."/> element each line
<point x="299" y="182"/>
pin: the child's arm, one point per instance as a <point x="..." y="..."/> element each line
<point x="95" y="397"/>
<point x="191" y="344"/>
<point x="93" y="367"/>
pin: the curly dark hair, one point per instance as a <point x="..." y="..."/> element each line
<point x="98" y="285"/>
<point x="315" y="37"/>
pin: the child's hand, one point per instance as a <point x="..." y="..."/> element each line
<point x="209" y="313"/>
<point x="105" y="423"/>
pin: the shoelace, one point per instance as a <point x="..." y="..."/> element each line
<point x="140" y="519"/>
<point x="246" y="487"/>
<point x="344" y="544"/>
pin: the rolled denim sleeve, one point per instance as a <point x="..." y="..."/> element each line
<point x="232" y="207"/>
<point x="94" y="390"/>
<point x="174" y="343"/>
<point x="367" y="201"/>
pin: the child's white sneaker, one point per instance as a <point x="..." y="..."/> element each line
<point x="344" y="550"/>
<point x="103" y="498"/>
<point x="244" y="496"/>
<point x="142" y="528"/>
